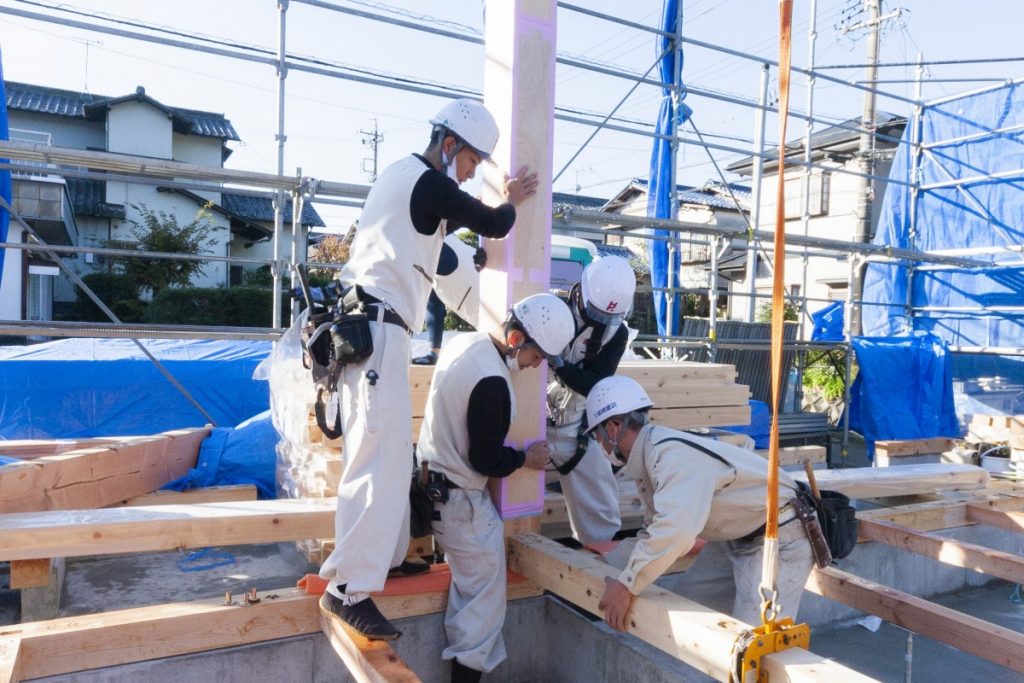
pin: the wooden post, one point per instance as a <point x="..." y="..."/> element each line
<point x="10" y="659"/>
<point x="519" y="79"/>
<point x="368" y="661"/>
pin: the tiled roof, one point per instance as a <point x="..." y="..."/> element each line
<point x="692" y="195"/>
<point x="88" y="198"/>
<point x="577" y="201"/>
<point x="637" y="262"/>
<point x="40" y="99"/>
<point x="261" y="209"/>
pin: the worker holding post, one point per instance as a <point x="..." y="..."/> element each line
<point x="599" y="303"/>
<point x="470" y="407"/>
<point x="693" y="487"/>
<point x="415" y="202"/>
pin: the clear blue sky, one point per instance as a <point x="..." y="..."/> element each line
<point x="325" y="115"/>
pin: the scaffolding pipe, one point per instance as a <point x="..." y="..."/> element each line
<point x="757" y="180"/>
<point x="915" y="188"/>
<point x="805" y="184"/>
<point x="279" y="137"/>
<point x="129" y="253"/>
<point x="677" y="101"/>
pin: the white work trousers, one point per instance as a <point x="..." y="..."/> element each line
<point x="590" y="489"/>
<point x="795" y="562"/>
<point x="472" y="536"/>
<point x="371" y="525"/>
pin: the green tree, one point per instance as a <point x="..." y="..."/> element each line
<point x="160" y="232"/>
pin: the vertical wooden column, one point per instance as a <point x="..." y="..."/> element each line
<point x="519" y="89"/>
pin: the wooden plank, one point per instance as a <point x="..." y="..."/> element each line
<point x="27" y="449"/>
<point x="700" y="393"/>
<point x="895" y="449"/>
<point x="867" y="482"/>
<point x="368" y="661"/>
<point x="667" y="374"/>
<point x="946" y="550"/>
<point x="703" y="416"/>
<point x="117" y="530"/>
<point x="1000" y="519"/>
<point x="30" y="573"/>
<point x="101" y="476"/>
<point x="10" y="659"/>
<point x="798" y="455"/>
<point x="684" y="629"/>
<point x="962" y="631"/>
<point x="207" y="494"/>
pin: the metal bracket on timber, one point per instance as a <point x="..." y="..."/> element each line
<point x="368" y="661"/>
<point x="695" y="634"/>
<point x="961" y="631"/>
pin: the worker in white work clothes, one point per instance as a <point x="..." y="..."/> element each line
<point x="693" y="487"/>
<point x="415" y="202"/>
<point x="599" y="303"/>
<point x="469" y="410"/>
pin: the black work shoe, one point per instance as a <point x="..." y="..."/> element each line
<point x="426" y="359"/>
<point x="408" y="568"/>
<point x="463" y="674"/>
<point x="363" y="617"/>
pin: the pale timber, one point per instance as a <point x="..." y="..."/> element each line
<point x="693" y="633"/>
<point x="30" y="573"/>
<point x="73" y="533"/>
<point x="961" y="631"/>
<point x="868" y="482"/>
<point x="10" y="659"/>
<point x="946" y="550"/>
<point x="368" y="661"/>
<point x="232" y="493"/>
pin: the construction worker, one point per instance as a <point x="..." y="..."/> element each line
<point x="599" y="303"/>
<point x="407" y="214"/>
<point x="692" y="487"/>
<point x="469" y="409"/>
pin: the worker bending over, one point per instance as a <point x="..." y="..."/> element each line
<point x="599" y="303"/>
<point x="407" y="214"/>
<point x="469" y="410"/>
<point x="692" y="487"/>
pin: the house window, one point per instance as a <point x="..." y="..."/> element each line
<point x="235" y="275"/>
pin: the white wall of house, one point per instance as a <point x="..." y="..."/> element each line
<point x="200" y="151"/>
<point x="265" y="250"/>
<point x="64" y="131"/>
<point x="11" y="292"/>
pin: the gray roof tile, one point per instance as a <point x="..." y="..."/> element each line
<point x="262" y="209"/>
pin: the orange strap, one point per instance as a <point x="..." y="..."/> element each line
<point x="778" y="282"/>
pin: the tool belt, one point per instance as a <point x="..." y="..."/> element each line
<point x="427" y="488"/>
<point x="786" y="515"/>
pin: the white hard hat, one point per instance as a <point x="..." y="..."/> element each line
<point x="614" y="396"/>
<point x="469" y="120"/>
<point x="607" y="287"/>
<point x="548" y="323"/>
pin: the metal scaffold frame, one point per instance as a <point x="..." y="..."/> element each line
<point x="301" y="189"/>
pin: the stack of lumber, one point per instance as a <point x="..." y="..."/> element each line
<point x="689" y="395"/>
<point x="917" y="452"/>
<point x="996" y="429"/>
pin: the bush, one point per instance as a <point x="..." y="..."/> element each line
<point x="119" y="292"/>
<point x="234" y="307"/>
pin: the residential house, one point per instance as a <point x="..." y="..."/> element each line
<point x="834" y="207"/>
<point x="91" y="212"/>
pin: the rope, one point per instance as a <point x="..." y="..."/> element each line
<point x="770" y="567"/>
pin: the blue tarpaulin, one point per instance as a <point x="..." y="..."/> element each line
<point x="660" y="189"/>
<point x="5" y="176"/>
<point x="245" y="454"/>
<point x="828" y="323"/>
<point x="76" y="388"/>
<point x="969" y="139"/>
<point x="760" y="426"/>
<point x="903" y="390"/>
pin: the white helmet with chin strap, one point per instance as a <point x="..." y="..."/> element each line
<point x="620" y="397"/>
<point x="471" y="123"/>
<point x="548" y="323"/>
<point x="607" y="288"/>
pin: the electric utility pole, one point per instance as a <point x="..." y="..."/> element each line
<point x="866" y="148"/>
<point x="372" y="138"/>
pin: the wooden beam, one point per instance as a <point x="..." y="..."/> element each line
<point x="966" y="633"/>
<point x="62" y="646"/>
<point x="1000" y="519"/>
<point x="700" y="637"/>
<point x="27" y="449"/>
<point x="869" y="482"/>
<point x="519" y="90"/>
<point x="10" y="659"/>
<point x="914" y="447"/>
<point x="368" y="661"/>
<point x="798" y="455"/>
<point x="702" y="416"/>
<point x="95" y="477"/>
<point x="672" y="375"/>
<point x="110" y="531"/>
<point x="946" y="550"/>
<point x="233" y="493"/>
<point x="30" y="573"/>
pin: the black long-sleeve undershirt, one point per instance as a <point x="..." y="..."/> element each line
<point x="435" y="197"/>
<point x="488" y="419"/>
<point x="582" y="379"/>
